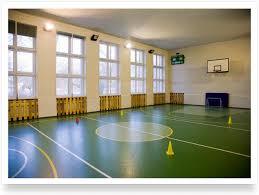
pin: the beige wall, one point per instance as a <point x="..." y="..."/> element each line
<point x="46" y="64"/>
<point x="192" y="77"/>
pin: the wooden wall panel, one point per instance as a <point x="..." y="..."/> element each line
<point x="71" y="105"/>
<point x="22" y="109"/>
<point x="159" y="98"/>
<point x="138" y="100"/>
<point x="177" y="98"/>
<point x="110" y="102"/>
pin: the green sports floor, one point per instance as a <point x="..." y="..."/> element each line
<point x="133" y="143"/>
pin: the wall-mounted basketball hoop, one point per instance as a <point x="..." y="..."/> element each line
<point x="218" y="65"/>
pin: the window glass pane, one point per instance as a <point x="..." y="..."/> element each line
<point x="133" y="90"/>
<point x="139" y="56"/>
<point x="103" y="69"/>
<point x="11" y="26"/>
<point x="103" y="50"/>
<point x="77" y="87"/>
<point x="140" y="71"/>
<point x="154" y="60"/>
<point x="26" y="30"/>
<point x="77" y="46"/>
<point x="103" y="86"/>
<point x="154" y="73"/>
<point x="114" y="69"/>
<point x="62" y="86"/>
<point x="11" y="87"/>
<point x="10" y="60"/>
<point x="161" y="61"/>
<point x="142" y="86"/>
<point x="61" y="65"/>
<point x="25" y="87"/>
<point x="114" y="86"/>
<point x="132" y="71"/>
<point x="158" y="86"/>
<point x="132" y="55"/>
<point x="161" y="74"/>
<point x="157" y="60"/>
<point x="77" y="66"/>
<point x="154" y="86"/>
<point x="161" y="86"/>
<point x="139" y="86"/>
<point x="10" y="39"/>
<point x="62" y="43"/>
<point x="24" y="62"/>
<point x="24" y="41"/>
<point x="113" y="52"/>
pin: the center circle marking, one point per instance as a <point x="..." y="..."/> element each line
<point x="134" y="131"/>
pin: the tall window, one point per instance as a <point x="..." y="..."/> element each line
<point x="137" y="71"/>
<point x="21" y="60"/>
<point x="108" y="69"/>
<point x="158" y="74"/>
<point x="70" y="68"/>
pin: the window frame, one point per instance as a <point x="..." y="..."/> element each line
<point x="136" y="64"/>
<point x="15" y="73"/>
<point x="159" y="67"/>
<point x="107" y="60"/>
<point x="70" y="56"/>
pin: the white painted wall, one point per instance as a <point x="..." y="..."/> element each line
<point x="192" y="77"/>
<point x="46" y="64"/>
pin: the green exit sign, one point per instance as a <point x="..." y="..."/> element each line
<point x="177" y="59"/>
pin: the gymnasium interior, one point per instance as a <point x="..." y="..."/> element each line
<point x="129" y="93"/>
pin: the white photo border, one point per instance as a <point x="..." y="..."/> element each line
<point x="134" y="5"/>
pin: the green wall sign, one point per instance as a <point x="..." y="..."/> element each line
<point x="177" y="59"/>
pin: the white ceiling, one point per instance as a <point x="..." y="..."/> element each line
<point x="167" y="29"/>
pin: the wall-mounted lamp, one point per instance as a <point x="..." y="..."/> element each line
<point x="151" y="51"/>
<point x="48" y="26"/>
<point x="128" y="45"/>
<point x="94" y="37"/>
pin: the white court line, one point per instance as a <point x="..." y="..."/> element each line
<point x="197" y="120"/>
<point x="210" y="147"/>
<point x="24" y="163"/>
<point x="125" y="127"/>
<point x="192" y="120"/>
<point x="68" y="151"/>
<point x="193" y="143"/>
<point x="53" y="168"/>
<point x="206" y="124"/>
